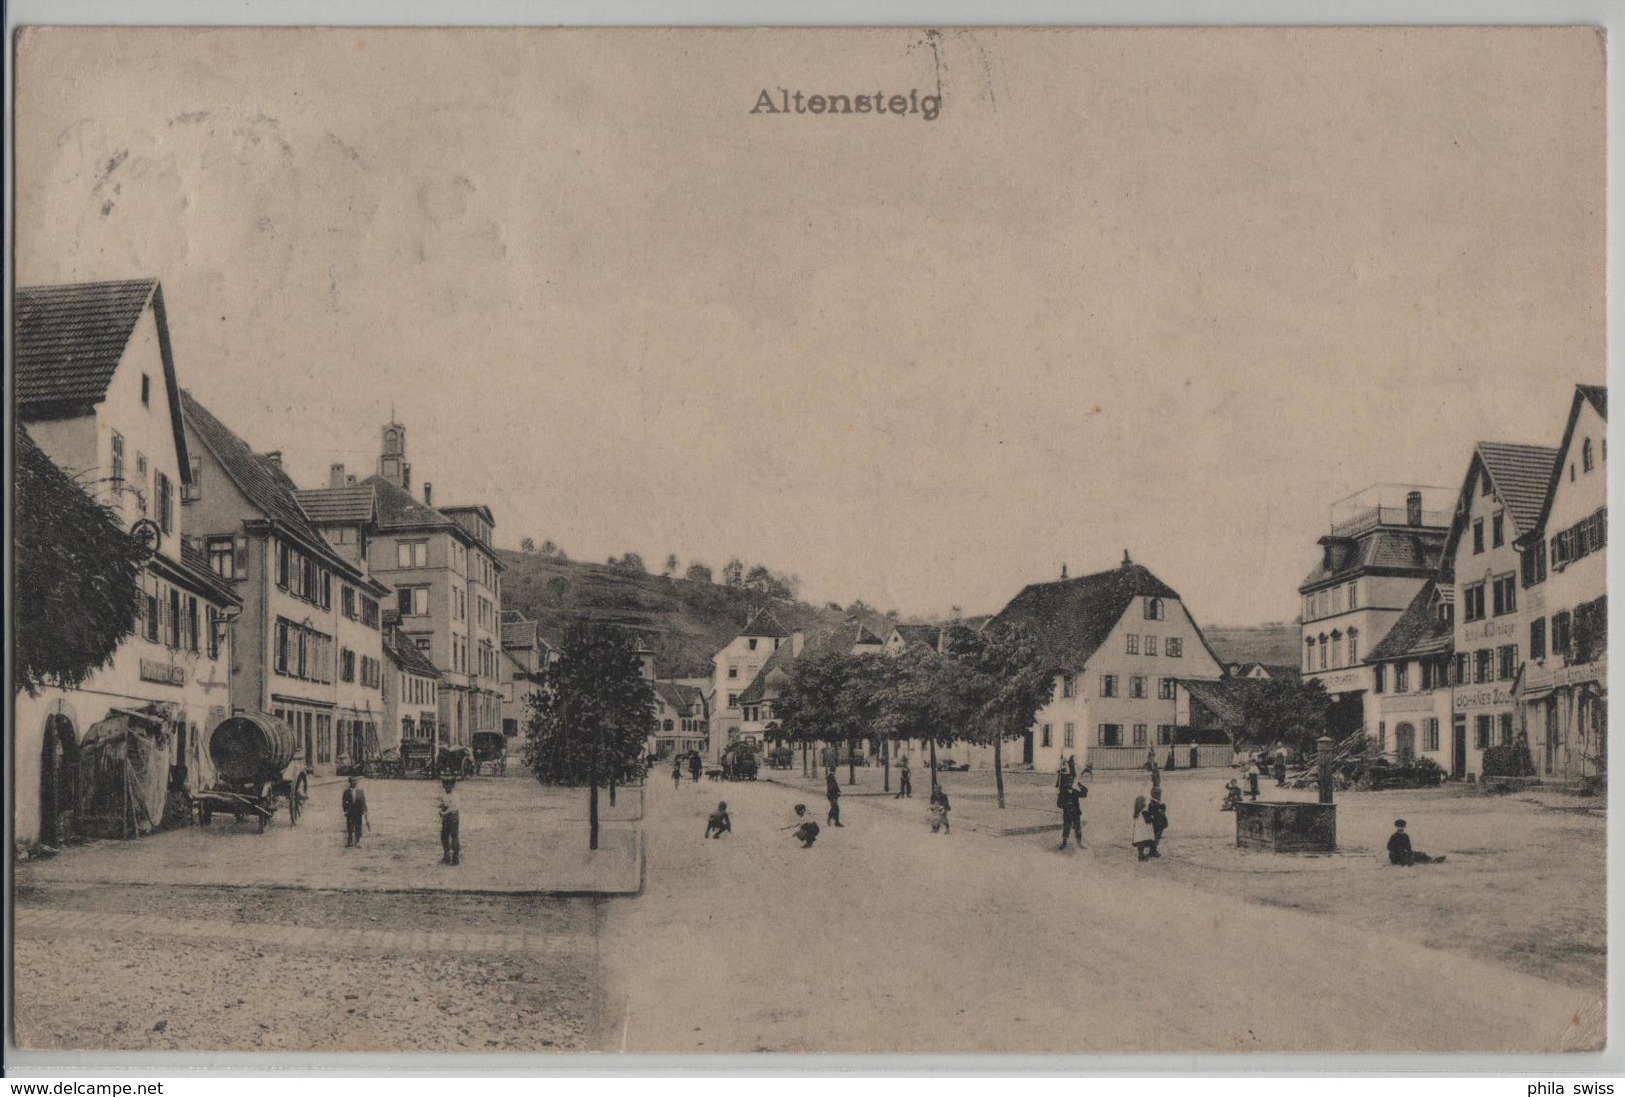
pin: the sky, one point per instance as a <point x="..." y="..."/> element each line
<point x="1172" y="292"/>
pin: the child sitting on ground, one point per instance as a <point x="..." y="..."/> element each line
<point x="719" y="823"/>
<point x="1400" y="851"/>
<point x="804" y="830"/>
<point x="1232" y="795"/>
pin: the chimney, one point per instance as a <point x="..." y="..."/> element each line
<point x="1126" y="561"/>
<point x="798" y="640"/>
<point x="349" y="481"/>
<point x="1063" y="571"/>
<point x="275" y="457"/>
<point x="1413" y="508"/>
<point x="428" y="494"/>
<point x="335" y="476"/>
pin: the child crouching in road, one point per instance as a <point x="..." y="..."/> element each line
<point x="719" y="823"/>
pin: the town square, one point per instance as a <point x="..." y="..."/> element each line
<point x="1120" y="573"/>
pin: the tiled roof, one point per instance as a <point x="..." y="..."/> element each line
<point x="1400" y="548"/>
<point x="1225" y="697"/>
<point x="1418" y="631"/>
<point x="1071" y="618"/>
<point x="407" y="656"/>
<point x="763" y="623"/>
<point x="1521" y="474"/>
<point x="919" y="634"/>
<point x="260" y="479"/>
<point x="327" y="506"/>
<point x="69" y="340"/>
<point x="864" y="636"/>
<point x="398" y="510"/>
<point x="523" y="633"/>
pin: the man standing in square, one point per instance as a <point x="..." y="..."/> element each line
<point x="451" y="809"/>
<point x="355" y="812"/>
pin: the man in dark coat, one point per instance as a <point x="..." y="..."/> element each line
<point x="355" y="812"/>
<point x="1072" y="813"/>
<point x="1280" y="771"/>
<point x="905" y="782"/>
<point x="1156" y="813"/>
<point x="832" y="789"/>
<point x="694" y="765"/>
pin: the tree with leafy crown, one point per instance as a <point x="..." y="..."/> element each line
<point x="590" y="716"/>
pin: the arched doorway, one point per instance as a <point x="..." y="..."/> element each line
<point x="1405" y="744"/>
<point x="59" y="782"/>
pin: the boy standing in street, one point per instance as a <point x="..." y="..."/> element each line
<point x="451" y="811"/>
<point x="355" y="813"/>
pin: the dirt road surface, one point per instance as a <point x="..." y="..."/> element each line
<point x="884" y="937"/>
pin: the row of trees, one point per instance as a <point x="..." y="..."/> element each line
<point x="982" y="688"/>
<point x="756" y="578"/>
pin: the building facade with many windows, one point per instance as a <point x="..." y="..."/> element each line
<point x="1384" y="543"/>
<point x="1411" y="668"/>
<point x="1500" y="500"/>
<point x="1564" y="577"/>
<point x="307" y="649"/>
<point x="1119" y="641"/>
<point x="97" y="393"/>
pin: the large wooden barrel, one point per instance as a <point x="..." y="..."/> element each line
<point x="251" y="747"/>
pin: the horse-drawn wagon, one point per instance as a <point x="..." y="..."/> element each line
<point x="257" y="770"/>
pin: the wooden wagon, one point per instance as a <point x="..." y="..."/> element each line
<point x="257" y="771"/>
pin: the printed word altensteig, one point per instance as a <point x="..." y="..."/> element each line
<point x="793" y="102"/>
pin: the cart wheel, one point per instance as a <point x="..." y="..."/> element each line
<point x="296" y="799"/>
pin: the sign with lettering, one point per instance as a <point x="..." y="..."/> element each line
<point x="1343" y="681"/>
<point x="1485" y="697"/>
<point x="1549" y="677"/>
<point x="163" y="673"/>
<point x="1488" y="630"/>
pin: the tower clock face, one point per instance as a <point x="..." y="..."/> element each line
<point x="147" y="533"/>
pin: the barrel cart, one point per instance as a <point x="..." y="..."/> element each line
<point x="256" y="771"/>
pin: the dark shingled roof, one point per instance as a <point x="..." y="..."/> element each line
<point x="1521" y="475"/>
<point x="763" y="623"/>
<point x="407" y="656"/>
<point x="398" y="510"/>
<point x="1385" y="547"/>
<point x="1418" y="632"/>
<point x="69" y="340"/>
<point x="261" y="481"/>
<point x="524" y="633"/>
<point x="920" y="634"/>
<point x="329" y="506"/>
<point x="1072" y="617"/>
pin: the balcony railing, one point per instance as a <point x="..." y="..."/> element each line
<point x="1353" y="523"/>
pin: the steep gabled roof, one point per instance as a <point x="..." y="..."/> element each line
<point x="763" y="623"/>
<point x="1419" y="631"/>
<point x="680" y="698"/>
<point x="1597" y="397"/>
<point x="68" y="340"/>
<point x="1520" y="475"/>
<point x="261" y="480"/>
<point x="864" y="636"/>
<point x="927" y="635"/>
<point x="354" y="503"/>
<point x="1071" y="618"/>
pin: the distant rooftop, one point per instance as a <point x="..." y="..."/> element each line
<point x="1414" y="505"/>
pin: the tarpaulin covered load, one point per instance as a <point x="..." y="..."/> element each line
<point x="251" y="748"/>
<point x="123" y="776"/>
